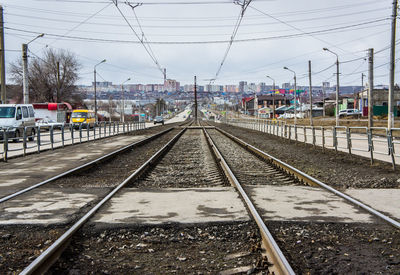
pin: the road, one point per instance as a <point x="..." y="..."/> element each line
<point x="16" y="149"/>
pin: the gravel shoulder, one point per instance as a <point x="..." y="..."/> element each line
<point x="330" y="248"/>
<point x="339" y="170"/>
<point x="176" y="249"/>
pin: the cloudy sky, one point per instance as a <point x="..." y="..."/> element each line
<point x="190" y="37"/>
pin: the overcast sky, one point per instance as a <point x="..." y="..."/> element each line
<point x="277" y="34"/>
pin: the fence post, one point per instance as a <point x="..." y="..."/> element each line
<point x="94" y="131"/>
<point x="295" y="132"/>
<point x="313" y="136"/>
<point x="88" y="132"/>
<point x="80" y="132"/>
<point x="72" y="133"/>
<point x="5" y="144"/>
<point x="62" y="135"/>
<point x="323" y="137"/>
<point x="109" y="129"/>
<point x="348" y="135"/>
<point x="305" y="134"/>
<point x="105" y="129"/>
<point x="391" y="147"/>
<point x="290" y="132"/>
<point x="334" y="139"/>
<point x="38" y="139"/>
<point x="370" y="145"/>
<point x="24" y="141"/>
<point x="52" y="137"/>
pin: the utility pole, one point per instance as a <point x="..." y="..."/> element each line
<point x="95" y="95"/>
<point x="273" y="95"/>
<point x="95" y="92"/>
<point x="337" y="91"/>
<point x="309" y="78"/>
<point x="337" y="84"/>
<point x="391" y="73"/>
<point x="58" y="81"/>
<point x="323" y="99"/>
<point x="2" y="59"/>
<point x="25" y="86"/>
<point x="294" y="93"/>
<point x="195" y="99"/>
<point x="362" y="90"/>
<point x="370" y="86"/>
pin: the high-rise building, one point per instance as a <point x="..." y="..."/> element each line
<point x="243" y="86"/>
<point x="171" y="85"/>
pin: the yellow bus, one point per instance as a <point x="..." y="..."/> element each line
<point x="84" y="117"/>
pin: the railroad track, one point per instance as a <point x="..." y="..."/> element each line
<point x="227" y="240"/>
<point x="316" y="218"/>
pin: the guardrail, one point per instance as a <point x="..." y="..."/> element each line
<point x="38" y="138"/>
<point x="364" y="141"/>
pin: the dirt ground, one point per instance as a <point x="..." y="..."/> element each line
<point x="339" y="170"/>
<point x="325" y="248"/>
<point x="175" y="249"/>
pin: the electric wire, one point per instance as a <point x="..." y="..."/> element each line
<point x="294" y="27"/>
<point x="349" y="27"/>
<point x="133" y="30"/>
<point x="81" y="23"/>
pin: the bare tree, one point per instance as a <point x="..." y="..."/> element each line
<point x="44" y="83"/>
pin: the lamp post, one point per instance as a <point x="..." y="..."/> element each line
<point x="95" y="94"/>
<point x="123" y="100"/>
<point x="295" y="94"/>
<point x="25" y="83"/>
<point x="273" y="95"/>
<point x="337" y="85"/>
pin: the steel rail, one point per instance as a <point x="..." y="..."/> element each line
<point x="44" y="261"/>
<point x="310" y="180"/>
<point x="274" y="253"/>
<point x="86" y="165"/>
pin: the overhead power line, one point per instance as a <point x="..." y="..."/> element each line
<point x="146" y="47"/>
<point x="83" y="22"/>
<point x="296" y="28"/>
<point x="244" y="6"/>
<point x="325" y="31"/>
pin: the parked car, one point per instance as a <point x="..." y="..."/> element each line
<point x="350" y="113"/>
<point x="14" y="118"/>
<point x="159" y="119"/>
<point x="47" y="123"/>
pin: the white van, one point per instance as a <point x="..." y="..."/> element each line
<point x="15" y="117"/>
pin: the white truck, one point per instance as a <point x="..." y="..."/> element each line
<point x="14" y="118"/>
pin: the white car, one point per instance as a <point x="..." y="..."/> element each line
<point x="350" y="113"/>
<point x="47" y="123"/>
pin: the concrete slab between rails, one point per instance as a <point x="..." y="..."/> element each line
<point x="20" y="173"/>
<point x="173" y="205"/>
<point x="302" y="203"/>
<point x="383" y="200"/>
<point x="47" y="206"/>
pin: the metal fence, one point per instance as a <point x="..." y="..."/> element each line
<point x="23" y="140"/>
<point x="368" y="142"/>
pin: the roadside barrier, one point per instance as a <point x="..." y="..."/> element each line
<point x="38" y="138"/>
<point x="369" y="142"/>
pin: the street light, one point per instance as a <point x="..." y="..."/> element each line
<point x="295" y="94"/>
<point x="273" y="96"/>
<point x="337" y="85"/>
<point x="25" y="84"/>
<point x="95" y="94"/>
<point x="123" y="100"/>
